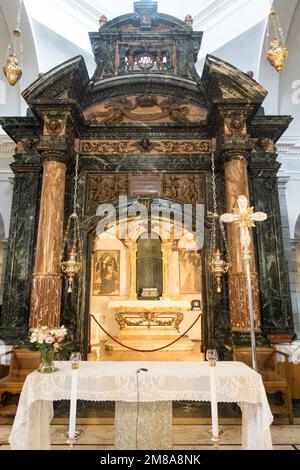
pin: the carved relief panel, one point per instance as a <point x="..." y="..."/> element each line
<point x="145" y="108"/>
<point x="104" y="188"/>
<point x="187" y="188"/>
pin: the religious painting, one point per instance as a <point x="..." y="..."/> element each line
<point x="189" y="271"/>
<point x="106" y="273"/>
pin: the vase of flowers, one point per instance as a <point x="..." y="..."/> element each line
<point x="49" y="341"/>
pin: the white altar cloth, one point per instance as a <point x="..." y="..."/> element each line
<point x="292" y="349"/>
<point x="163" y="381"/>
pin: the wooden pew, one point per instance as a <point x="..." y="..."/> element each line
<point x="22" y="363"/>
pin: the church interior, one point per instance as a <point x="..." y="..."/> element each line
<point x="149" y="225"/>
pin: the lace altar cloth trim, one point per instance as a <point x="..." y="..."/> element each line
<point x="293" y="350"/>
<point x="117" y="381"/>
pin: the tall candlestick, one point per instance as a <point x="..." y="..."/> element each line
<point x="73" y="406"/>
<point x="212" y="357"/>
<point x="214" y="403"/>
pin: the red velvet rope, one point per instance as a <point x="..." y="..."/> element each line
<point x="145" y="350"/>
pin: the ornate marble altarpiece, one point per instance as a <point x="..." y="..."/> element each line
<point x="145" y="111"/>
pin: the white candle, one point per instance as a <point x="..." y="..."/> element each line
<point x="73" y="404"/>
<point x="214" y="403"/>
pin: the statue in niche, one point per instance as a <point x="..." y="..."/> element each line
<point x="159" y="60"/>
<point x="130" y="60"/>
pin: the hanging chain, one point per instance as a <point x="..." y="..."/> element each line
<point x="213" y="238"/>
<point x="278" y="31"/>
<point x="76" y="184"/>
<point x="19" y="12"/>
<point x="73" y="218"/>
<point x="17" y="32"/>
<point x="216" y="215"/>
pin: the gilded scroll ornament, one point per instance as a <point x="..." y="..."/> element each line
<point x="145" y="145"/>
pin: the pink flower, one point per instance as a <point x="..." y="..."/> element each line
<point x="56" y="345"/>
<point x="49" y="339"/>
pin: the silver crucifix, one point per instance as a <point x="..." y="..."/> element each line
<point x="246" y="218"/>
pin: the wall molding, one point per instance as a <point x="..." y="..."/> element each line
<point x="7" y="146"/>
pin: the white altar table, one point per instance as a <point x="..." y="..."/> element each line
<point x="163" y="382"/>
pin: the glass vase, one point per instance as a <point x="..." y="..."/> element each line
<point x="47" y="362"/>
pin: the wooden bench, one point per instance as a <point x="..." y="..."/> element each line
<point x="273" y="381"/>
<point x="22" y="363"/>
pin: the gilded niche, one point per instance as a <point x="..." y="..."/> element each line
<point x="145" y="108"/>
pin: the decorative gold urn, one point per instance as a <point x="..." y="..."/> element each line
<point x="71" y="268"/>
<point x="219" y="267"/>
<point x="12" y="70"/>
<point x="277" y="54"/>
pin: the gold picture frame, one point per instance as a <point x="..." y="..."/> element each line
<point x="106" y="273"/>
<point x="190" y="271"/>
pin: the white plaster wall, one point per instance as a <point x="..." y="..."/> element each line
<point x="61" y="49"/>
<point x="241" y="51"/>
<point x="9" y="96"/>
<point x="289" y="87"/>
<point x="14" y="104"/>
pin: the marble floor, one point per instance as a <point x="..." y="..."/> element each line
<point x="185" y="437"/>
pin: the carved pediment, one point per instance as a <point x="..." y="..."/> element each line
<point x="140" y="109"/>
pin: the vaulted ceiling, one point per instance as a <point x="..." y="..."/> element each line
<point x="221" y="20"/>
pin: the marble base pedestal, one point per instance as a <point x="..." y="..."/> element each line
<point x="144" y="338"/>
<point x="143" y="426"/>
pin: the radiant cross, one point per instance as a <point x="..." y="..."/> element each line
<point x="246" y="218"/>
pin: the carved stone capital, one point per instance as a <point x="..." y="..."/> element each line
<point x="59" y="157"/>
<point x="55" y="148"/>
<point x="230" y="155"/>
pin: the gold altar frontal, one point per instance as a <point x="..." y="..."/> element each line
<point x="149" y="324"/>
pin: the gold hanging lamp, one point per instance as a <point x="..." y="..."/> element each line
<point x="12" y="70"/>
<point x="72" y="265"/>
<point x="276" y="50"/>
<point x="218" y="266"/>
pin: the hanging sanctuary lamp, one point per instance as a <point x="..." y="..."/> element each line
<point x="276" y="50"/>
<point x="218" y="266"/>
<point x="12" y="70"/>
<point x="72" y="240"/>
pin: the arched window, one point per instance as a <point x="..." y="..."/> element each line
<point x="149" y="264"/>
